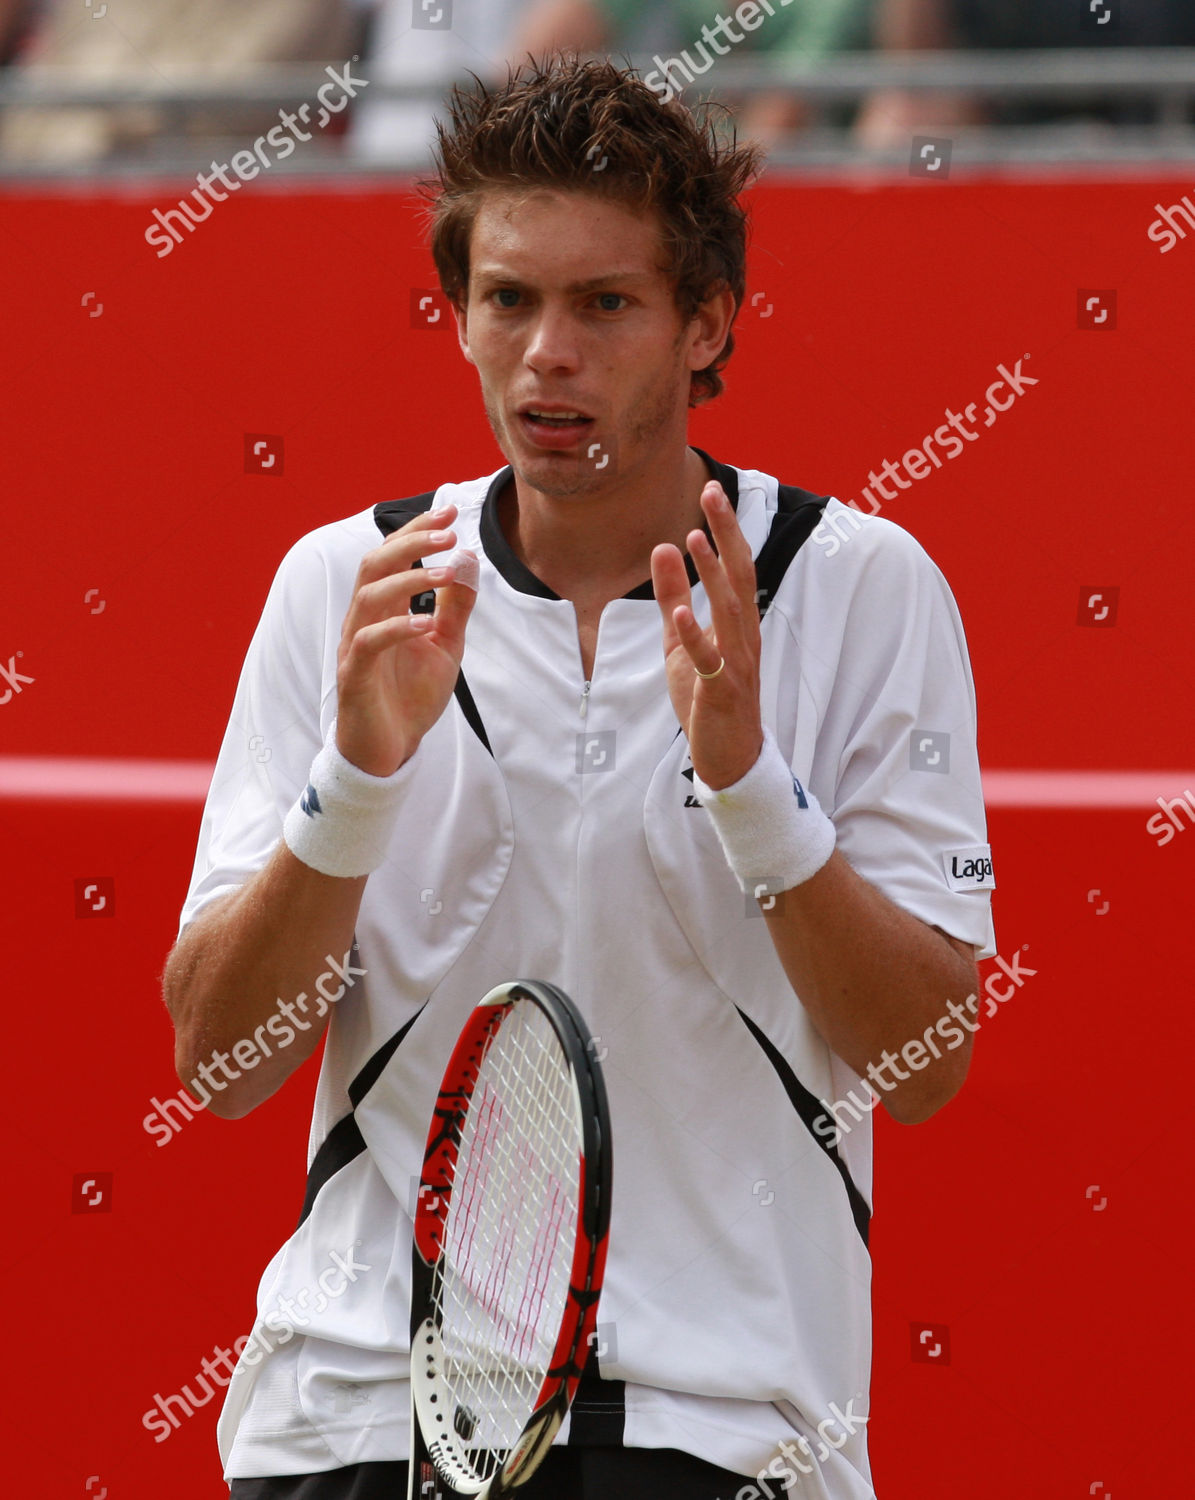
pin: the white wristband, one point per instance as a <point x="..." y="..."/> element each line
<point x="343" y="822"/>
<point x="772" y="829"/>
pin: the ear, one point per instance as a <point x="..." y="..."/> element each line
<point x="460" y="312"/>
<point x="710" y="327"/>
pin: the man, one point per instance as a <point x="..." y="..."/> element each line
<point x="559" y="741"/>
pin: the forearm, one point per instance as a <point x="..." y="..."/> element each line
<point x="874" y="979"/>
<point x="263" y="966"/>
<point x="246" y="971"/>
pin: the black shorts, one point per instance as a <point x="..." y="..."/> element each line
<point x="566" y="1474"/>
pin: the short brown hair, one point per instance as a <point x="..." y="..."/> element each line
<point x="588" y="126"/>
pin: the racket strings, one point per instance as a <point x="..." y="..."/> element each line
<point x="509" y="1236"/>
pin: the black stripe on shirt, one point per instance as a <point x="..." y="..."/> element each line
<point x="812" y="1112"/>
<point x="344" y="1142"/>
<point x="388" y="517"/>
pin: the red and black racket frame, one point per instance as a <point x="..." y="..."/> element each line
<point x="435" y="1189"/>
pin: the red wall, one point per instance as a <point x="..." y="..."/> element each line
<point x="1039" y="1216"/>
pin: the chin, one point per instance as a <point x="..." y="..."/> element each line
<point x="557" y="474"/>
<point x="560" y="477"/>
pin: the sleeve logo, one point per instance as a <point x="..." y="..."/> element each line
<point x="969" y="869"/>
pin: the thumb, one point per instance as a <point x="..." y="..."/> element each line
<point x="454" y="605"/>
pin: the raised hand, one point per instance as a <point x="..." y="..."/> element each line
<point x="396" y="671"/>
<point x="713" y="675"/>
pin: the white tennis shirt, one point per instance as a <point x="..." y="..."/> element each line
<point x="566" y="845"/>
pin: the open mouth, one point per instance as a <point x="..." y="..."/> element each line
<point x="554" y="427"/>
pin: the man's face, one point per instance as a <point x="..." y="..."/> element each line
<point x="583" y="356"/>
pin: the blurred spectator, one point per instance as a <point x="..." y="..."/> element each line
<point x="425" y="42"/>
<point x="1060" y="23"/>
<point x="78" y="40"/>
<point x="17" y="20"/>
<point x="890" y="116"/>
<point x="673" y="28"/>
<point x="808" y="27"/>
<point x="429" y="44"/>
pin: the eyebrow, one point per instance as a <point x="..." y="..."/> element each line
<point x="576" y="288"/>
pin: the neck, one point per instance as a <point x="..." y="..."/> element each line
<point x="598" y="547"/>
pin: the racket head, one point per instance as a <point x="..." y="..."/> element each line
<point x="511" y="1227"/>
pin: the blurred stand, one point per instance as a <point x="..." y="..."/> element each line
<point x="184" y="43"/>
<point x="157" y="85"/>
<point x="891" y="116"/>
<point x="18" y="21"/>
<point x="803" y="32"/>
<point x="414" y="44"/>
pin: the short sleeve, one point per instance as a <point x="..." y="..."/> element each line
<point x="908" y="805"/>
<point x="274" y="731"/>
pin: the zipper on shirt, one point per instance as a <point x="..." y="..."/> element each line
<point x="585" y="699"/>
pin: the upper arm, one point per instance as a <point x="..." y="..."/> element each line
<point x="275" y="728"/>
<point x="899" y="729"/>
<point x="964" y="950"/>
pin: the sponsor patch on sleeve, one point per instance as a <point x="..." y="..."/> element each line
<point x="969" y="869"/>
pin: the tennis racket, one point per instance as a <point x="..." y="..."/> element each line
<point x="510" y="1243"/>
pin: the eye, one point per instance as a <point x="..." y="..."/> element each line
<point x="606" y="299"/>
<point x="503" y="293"/>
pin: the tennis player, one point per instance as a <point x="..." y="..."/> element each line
<point x="631" y="719"/>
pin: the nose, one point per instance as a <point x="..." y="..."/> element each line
<point x="552" y="343"/>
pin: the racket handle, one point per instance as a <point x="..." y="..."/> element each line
<point x="421" y="1468"/>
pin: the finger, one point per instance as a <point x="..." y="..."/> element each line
<point x="428" y="520"/>
<point x="670" y="583"/>
<point x="402" y="551"/>
<point x="454" y="605"/>
<point x="426" y="535"/>
<point x="733" y="549"/>
<point x="368" y="643"/>
<point x="365" y="638"/>
<point x="704" y="655"/>
<point x="389" y="595"/>
<point x="726" y="608"/>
